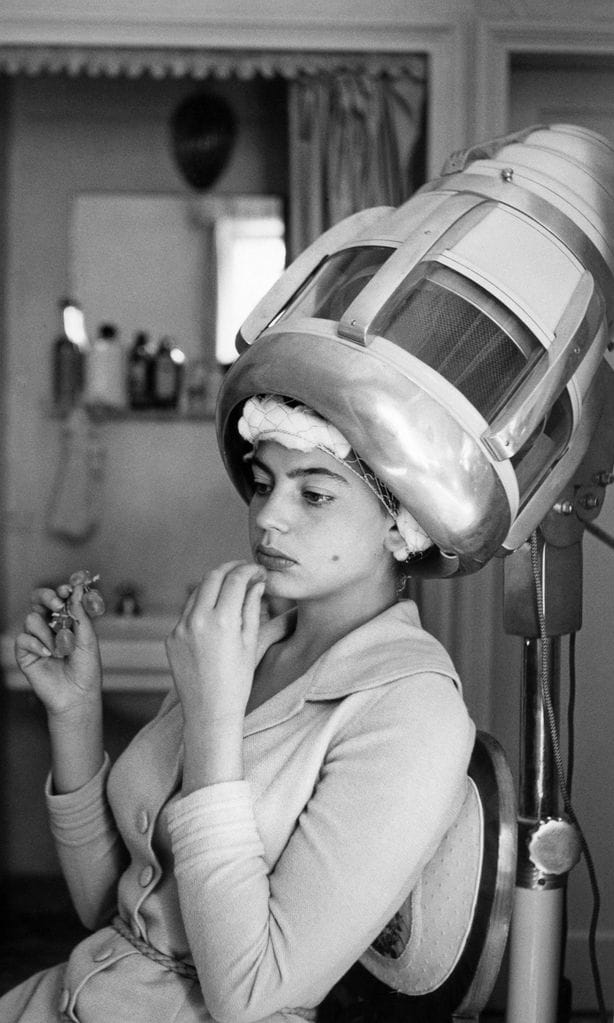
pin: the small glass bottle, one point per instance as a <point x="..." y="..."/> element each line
<point x="69" y="351"/>
<point x="140" y="366"/>
<point x="194" y="389"/>
<point x="106" y="370"/>
<point x="167" y="374"/>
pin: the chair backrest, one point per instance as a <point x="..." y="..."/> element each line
<point x="488" y="937"/>
<point x="439" y="957"/>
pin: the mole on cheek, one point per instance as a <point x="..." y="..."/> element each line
<point x="335" y="557"/>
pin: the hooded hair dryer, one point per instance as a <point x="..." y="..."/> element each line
<point x="457" y="342"/>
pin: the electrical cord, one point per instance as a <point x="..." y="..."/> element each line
<point x="571" y="713"/>
<point x="600" y="534"/>
<point x="564" y="787"/>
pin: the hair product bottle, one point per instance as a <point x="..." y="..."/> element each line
<point x="69" y="352"/>
<point x="140" y="371"/>
<point x="106" y="370"/>
<point x="167" y="374"/>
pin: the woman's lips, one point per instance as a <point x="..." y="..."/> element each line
<point x="273" y="560"/>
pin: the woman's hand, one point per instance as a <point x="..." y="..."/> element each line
<point x="212" y="649"/>
<point x="65" y="685"/>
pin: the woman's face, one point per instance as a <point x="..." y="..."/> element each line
<point x="316" y="527"/>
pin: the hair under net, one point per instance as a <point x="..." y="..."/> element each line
<point x="273" y="417"/>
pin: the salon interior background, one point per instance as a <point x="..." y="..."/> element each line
<point x="90" y="124"/>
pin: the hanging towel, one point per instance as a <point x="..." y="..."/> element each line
<point x="75" y="502"/>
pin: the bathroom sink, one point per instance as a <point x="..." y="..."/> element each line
<point x="134" y="643"/>
<point x="135" y="628"/>
<point x="131" y="647"/>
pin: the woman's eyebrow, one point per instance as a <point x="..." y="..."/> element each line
<point x="317" y="470"/>
<point x="312" y="470"/>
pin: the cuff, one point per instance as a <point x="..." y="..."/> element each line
<point x="218" y="819"/>
<point x="78" y="817"/>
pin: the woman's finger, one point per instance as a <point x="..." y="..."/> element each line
<point x="208" y="593"/>
<point x="251" y="609"/>
<point x="45" y="599"/>
<point x="236" y="585"/>
<point x="26" y="643"/>
<point x="81" y="623"/>
<point x="35" y="625"/>
<point x="190" y="601"/>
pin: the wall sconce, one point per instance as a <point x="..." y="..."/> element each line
<point x="203" y="131"/>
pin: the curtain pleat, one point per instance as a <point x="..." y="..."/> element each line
<point x="352" y="138"/>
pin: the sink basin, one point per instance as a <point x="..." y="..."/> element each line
<point x="135" y="628"/>
<point x="134" y="644"/>
<point x="132" y="651"/>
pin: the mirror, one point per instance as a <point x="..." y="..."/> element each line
<point x="190" y="268"/>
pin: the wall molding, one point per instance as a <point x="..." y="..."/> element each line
<point x="226" y="23"/>
<point x="181" y="62"/>
<point x="498" y="43"/>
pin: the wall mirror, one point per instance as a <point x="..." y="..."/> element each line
<point x="191" y="268"/>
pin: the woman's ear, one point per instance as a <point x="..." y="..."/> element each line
<point x="395" y="543"/>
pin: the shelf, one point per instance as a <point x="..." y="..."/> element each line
<point x="149" y="415"/>
<point x="100" y="414"/>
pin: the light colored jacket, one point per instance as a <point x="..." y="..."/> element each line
<point x="272" y="886"/>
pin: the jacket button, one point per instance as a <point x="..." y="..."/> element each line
<point x="104" y="952"/>
<point x="146" y="875"/>
<point x="143" y="822"/>
<point x="64" y="999"/>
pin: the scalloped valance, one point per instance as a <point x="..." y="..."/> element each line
<point x="174" y="62"/>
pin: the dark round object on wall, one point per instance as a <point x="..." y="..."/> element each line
<point x="203" y="131"/>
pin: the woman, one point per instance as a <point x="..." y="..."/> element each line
<point x="256" y="837"/>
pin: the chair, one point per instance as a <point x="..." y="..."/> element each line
<point x="439" y="957"/>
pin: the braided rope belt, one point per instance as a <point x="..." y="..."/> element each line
<point x="178" y="965"/>
<point x="168" y="962"/>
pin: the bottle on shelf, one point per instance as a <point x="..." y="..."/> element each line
<point x="194" y="389"/>
<point x="106" y="370"/>
<point x="167" y="374"/>
<point x="140" y="372"/>
<point x="69" y="355"/>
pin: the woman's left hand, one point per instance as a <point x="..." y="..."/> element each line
<point x="212" y="649"/>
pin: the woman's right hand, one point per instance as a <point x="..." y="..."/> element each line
<point x="62" y="684"/>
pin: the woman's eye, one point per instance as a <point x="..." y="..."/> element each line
<point x="261" y="487"/>
<point x="316" y="498"/>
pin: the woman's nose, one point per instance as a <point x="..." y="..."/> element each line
<point x="273" y="513"/>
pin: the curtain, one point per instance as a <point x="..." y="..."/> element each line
<point x="353" y="137"/>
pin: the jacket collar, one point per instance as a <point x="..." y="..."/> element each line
<point x="391" y="646"/>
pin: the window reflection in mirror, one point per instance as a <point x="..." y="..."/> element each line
<point x="190" y="268"/>
<point x="250" y="256"/>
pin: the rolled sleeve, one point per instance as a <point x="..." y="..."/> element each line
<point x="216" y="822"/>
<point x="77" y="818"/>
<point x="90" y="850"/>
